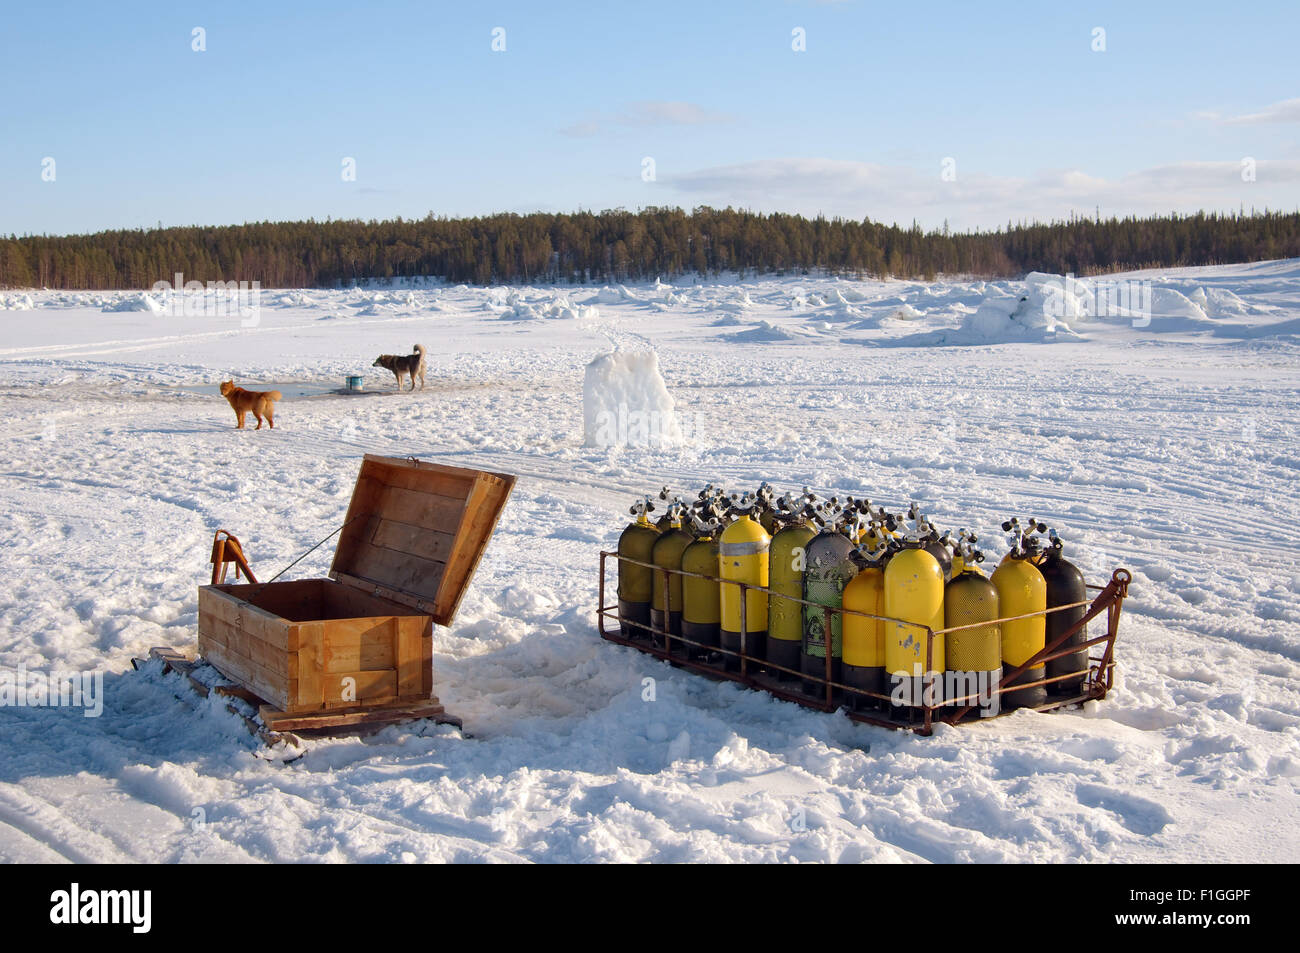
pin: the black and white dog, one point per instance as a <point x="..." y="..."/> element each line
<point x="412" y="365"/>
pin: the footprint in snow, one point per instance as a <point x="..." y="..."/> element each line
<point x="1136" y="813"/>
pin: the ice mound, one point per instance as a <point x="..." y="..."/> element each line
<point x="1060" y="297"/>
<point x="739" y="305"/>
<point x="608" y="295"/>
<point x="21" y="302"/>
<point x="850" y="294"/>
<point x="906" y="313"/>
<point x="626" y="403"/>
<point x="1223" y="303"/>
<point x="561" y="308"/>
<point x="766" y="333"/>
<point x="140" y="302"/>
<point x="295" y="299"/>
<point x="1167" y="302"/>
<point x="1032" y="316"/>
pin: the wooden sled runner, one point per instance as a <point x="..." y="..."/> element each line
<point x="274" y="727"/>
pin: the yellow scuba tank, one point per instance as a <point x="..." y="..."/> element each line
<point x="936" y="544"/>
<point x="743" y="552"/>
<point x="973" y="656"/>
<point x="1021" y="591"/>
<point x="787" y="558"/>
<point x="666" y="604"/>
<point x="864" y="639"/>
<point x="914" y="595"/>
<point x="701" y="600"/>
<point x="636" y="583"/>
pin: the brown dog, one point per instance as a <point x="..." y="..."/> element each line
<point x="259" y="402"/>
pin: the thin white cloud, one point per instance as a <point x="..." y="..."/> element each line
<point x="903" y="193"/>
<point x="648" y="113"/>
<point x="1288" y="110"/>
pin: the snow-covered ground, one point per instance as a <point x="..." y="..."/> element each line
<point x="1169" y="448"/>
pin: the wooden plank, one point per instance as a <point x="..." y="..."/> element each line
<point x="452" y="482"/>
<point x="167" y="654"/>
<point x="277" y="720"/>
<point x="238" y="691"/>
<point x="399" y="572"/>
<point x="310" y="692"/>
<point x="421" y="507"/>
<point x="274" y="660"/>
<point x="244" y="673"/>
<point x="426" y="657"/>
<point x="358" y="523"/>
<point x="358" y="644"/>
<point x="248" y="670"/>
<point x="483" y="510"/>
<point x="244" y="615"/>
<point x="248" y="645"/>
<point x="367" y="688"/>
<point x="345" y="601"/>
<point x="379" y="649"/>
<point x="409" y="653"/>
<point x="297" y="601"/>
<point x="417" y="540"/>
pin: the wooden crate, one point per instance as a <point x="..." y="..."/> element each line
<point x="363" y="638"/>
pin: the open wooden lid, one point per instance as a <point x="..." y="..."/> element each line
<point x="415" y="531"/>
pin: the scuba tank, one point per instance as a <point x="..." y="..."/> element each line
<point x="829" y="565"/>
<point x="914" y="596"/>
<point x="743" y="557"/>
<point x="864" y="639"/>
<point x="636" y="583"/>
<point x="1013" y="527"/>
<point x="973" y="656"/>
<point x="1022" y="590"/>
<point x="666" y="604"/>
<point x="1065" y="585"/>
<point x="701" y="605"/>
<point x="663" y="523"/>
<point x="938" y="546"/>
<point x="765" y="510"/>
<point x="788" y="556"/>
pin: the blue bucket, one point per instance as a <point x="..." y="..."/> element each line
<point x="354" y="382"/>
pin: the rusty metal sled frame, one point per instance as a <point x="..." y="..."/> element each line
<point x="758" y="673"/>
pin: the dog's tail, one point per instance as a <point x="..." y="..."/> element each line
<point x="273" y="394"/>
<point x="419" y="349"/>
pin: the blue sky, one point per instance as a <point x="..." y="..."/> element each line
<point x="143" y="129"/>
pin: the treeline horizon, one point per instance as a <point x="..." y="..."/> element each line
<point x="617" y="245"/>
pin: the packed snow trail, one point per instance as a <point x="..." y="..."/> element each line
<point x="1172" y="452"/>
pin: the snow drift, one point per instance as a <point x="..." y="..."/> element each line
<point x="626" y="403"/>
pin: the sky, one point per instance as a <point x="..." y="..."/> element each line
<point x="123" y="116"/>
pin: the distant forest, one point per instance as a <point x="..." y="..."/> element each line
<point x="587" y="247"/>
